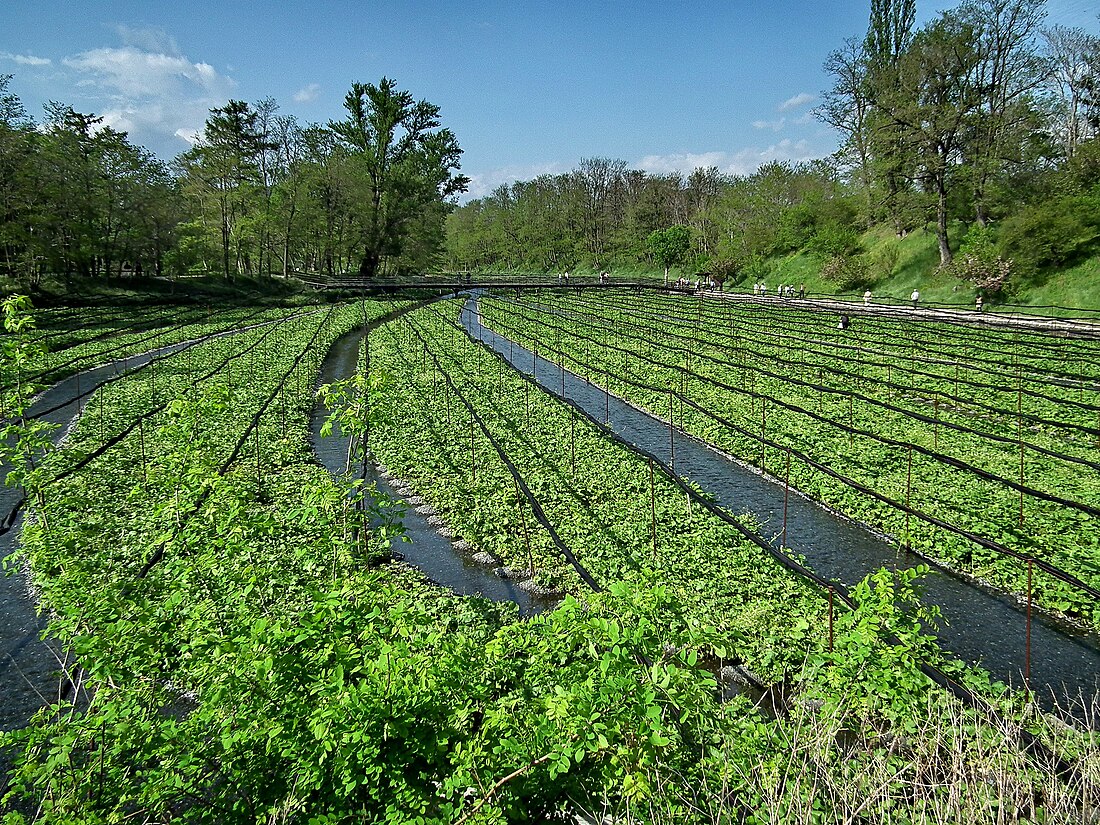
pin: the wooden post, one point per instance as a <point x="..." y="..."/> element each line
<point x="572" y="440"/>
<point x="786" y="495"/>
<point x="1020" y="439"/>
<point x="473" y="462"/>
<point x="1027" y="640"/>
<point x="526" y="534"/>
<point x="851" y="419"/>
<point x="763" y="428"/>
<point x="141" y="437"/>
<point x="606" y="397"/>
<point x="653" y="512"/>
<point x="683" y="377"/>
<point x="908" y="492"/>
<point x="671" y="433"/>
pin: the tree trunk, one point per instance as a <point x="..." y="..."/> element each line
<point x="368" y="266"/>
<point x="941" y="221"/>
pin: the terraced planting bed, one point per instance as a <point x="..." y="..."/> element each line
<point x="979" y="449"/>
<point x="247" y="648"/>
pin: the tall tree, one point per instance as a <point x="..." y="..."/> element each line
<point x="889" y="34"/>
<point x="223" y="169"/>
<point x="600" y="180"/>
<point x="1007" y="73"/>
<point x="289" y="158"/>
<point x="407" y="161"/>
<point x="847" y="107"/>
<point x="1074" y="57"/>
<point x="669" y="246"/>
<point x="18" y="194"/>
<point x="935" y="105"/>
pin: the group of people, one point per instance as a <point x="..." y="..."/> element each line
<point x="697" y="284"/>
<point x="783" y="291"/>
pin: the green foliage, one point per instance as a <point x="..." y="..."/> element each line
<point x="24" y="441"/>
<point x="834" y="240"/>
<point x="978" y="262"/>
<point x="846" y="272"/>
<point x="1051" y="233"/>
<point x="668" y="246"/>
<point x="878" y="647"/>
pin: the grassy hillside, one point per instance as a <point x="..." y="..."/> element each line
<point x="897" y="266"/>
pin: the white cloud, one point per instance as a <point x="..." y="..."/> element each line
<point x="132" y="72"/>
<point x="147" y="38"/>
<point x="742" y="162"/>
<point x="307" y="93"/>
<point x="483" y="183"/>
<point x="796" y="102"/>
<point x="773" y="125"/>
<point x="26" y="59"/>
<point x="148" y="88"/>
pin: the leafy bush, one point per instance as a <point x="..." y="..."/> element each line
<point x="846" y="272"/>
<point x="885" y="260"/>
<point x="835" y="240"/>
<point x="979" y="263"/>
<point x="1051" y="233"/>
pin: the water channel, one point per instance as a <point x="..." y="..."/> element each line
<point x="980" y="626"/>
<point x="427" y="549"/>
<point x="28" y="666"/>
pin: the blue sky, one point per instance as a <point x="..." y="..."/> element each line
<point x="527" y="87"/>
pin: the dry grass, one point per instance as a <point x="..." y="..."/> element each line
<point x="814" y="766"/>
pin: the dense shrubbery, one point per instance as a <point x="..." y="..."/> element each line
<point x="979" y="116"/>
<point x="1052" y="233"/>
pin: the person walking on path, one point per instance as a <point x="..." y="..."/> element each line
<point x="867" y="298"/>
<point x="915" y="297"/>
<point x="978" y="304"/>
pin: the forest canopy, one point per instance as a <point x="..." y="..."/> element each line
<point x="259" y="193"/>
<point x="982" y="125"/>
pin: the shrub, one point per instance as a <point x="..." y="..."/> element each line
<point x="885" y="261"/>
<point x="846" y="272"/>
<point x="835" y="240"/>
<point x="978" y="262"/>
<point x="1051" y="233"/>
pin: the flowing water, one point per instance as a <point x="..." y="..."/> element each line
<point x="427" y="549"/>
<point x="29" y="667"/>
<point x="979" y="626"/>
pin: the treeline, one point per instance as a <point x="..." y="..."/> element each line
<point x="981" y="118"/>
<point x="259" y="193"/>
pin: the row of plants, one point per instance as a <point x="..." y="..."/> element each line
<point x="946" y="430"/>
<point x="620" y="516"/>
<point x="247" y="656"/>
<point x="431" y="371"/>
<point x="56" y="358"/>
<point x="888" y="353"/>
<point x="758" y="422"/>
